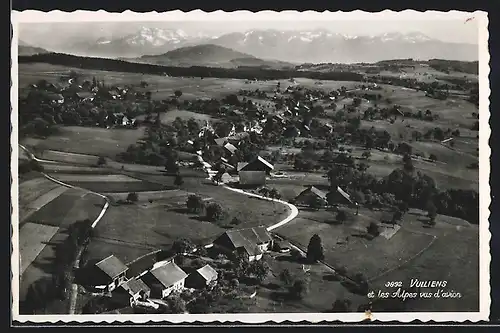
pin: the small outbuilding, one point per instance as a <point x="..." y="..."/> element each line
<point x="202" y="277"/>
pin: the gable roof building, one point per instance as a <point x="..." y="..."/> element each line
<point x="202" y="277"/>
<point x="113" y="270"/>
<point x="230" y="148"/>
<point x="311" y="191"/>
<point x="257" y="164"/>
<point x="340" y="195"/>
<point x="165" y="278"/>
<point x="112" y="266"/>
<point x="137" y="289"/>
<point x="251" y="241"/>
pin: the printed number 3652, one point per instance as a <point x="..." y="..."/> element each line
<point x="393" y="284"/>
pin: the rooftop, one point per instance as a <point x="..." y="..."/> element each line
<point x="135" y="286"/>
<point x="168" y="274"/>
<point x="249" y="238"/>
<point x="112" y="266"/>
<point x="207" y="272"/>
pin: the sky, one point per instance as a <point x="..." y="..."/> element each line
<point x="450" y="30"/>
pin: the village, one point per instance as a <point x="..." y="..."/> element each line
<point x="295" y="144"/>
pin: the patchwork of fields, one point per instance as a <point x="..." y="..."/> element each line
<point x="159" y="217"/>
<point x="46" y="211"/>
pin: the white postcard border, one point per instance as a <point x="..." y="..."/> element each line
<point x="198" y="15"/>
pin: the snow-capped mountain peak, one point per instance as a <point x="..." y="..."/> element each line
<point x="156" y="36"/>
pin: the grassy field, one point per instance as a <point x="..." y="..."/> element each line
<point x="119" y="186"/>
<point x="449" y="251"/>
<point x="71" y="206"/>
<point x="170" y="116"/>
<point x="322" y="290"/>
<point x="52" y="168"/>
<point x="32" y="239"/>
<point x="357" y="254"/>
<point x="35" y="193"/>
<point x="68" y="178"/>
<point x="454" y="111"/>
<point x="146" y="227"/>
<point x="453" y="256"/>
<point x="163" y="87"/>
<point x="160" y="218"/>
<point x="88" y="140"/>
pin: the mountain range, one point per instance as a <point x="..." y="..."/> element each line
<point x="316" y="46"/>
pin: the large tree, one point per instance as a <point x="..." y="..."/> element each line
<point x="315" y="249"/>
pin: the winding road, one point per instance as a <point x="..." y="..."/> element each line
<point x="74" y="287"/>
<point x="293" y="210"/>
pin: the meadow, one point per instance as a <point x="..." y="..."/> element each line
<point x="46" y="211"/>
<point x="87" y="141"/>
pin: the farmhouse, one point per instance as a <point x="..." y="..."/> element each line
<point x="250" y="242"/>
<point x="254" y="172"/>
<point x="114" y="270"/>
<point x="306" y="196"/>
<point x="257" y="164"/>
<point x="202" y="277"/>
<point x="137" y="289"/>
<point x="164" y="279"/>
<point x="340" y="196"/>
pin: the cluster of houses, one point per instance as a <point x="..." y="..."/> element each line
<point x="166" y="277"/>
<point x="87" y="92"/>
<point x="312" y="193"/>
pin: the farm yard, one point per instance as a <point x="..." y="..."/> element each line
<point x="303" y="132"/>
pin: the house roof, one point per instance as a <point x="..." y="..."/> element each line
<point x="135" y="286"/>
<point x="207" y="272"/>
<point x="249" y="238"/>
<point x="230" y="147"/>
<point x="220" y="141"/>
<point x="168" y="274"/>
<point x="344" y="194"/>
<point x="241" y="165"/>
<point x="266" y="163"/>
<point x="314" y="190"/>
<point x="112" y="266"/>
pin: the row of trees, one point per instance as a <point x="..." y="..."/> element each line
<point x="42" y="292"/>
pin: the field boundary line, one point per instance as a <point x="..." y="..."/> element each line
<point x="409" y="259"/>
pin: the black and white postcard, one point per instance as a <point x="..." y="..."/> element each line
<point x="250" y="167"/>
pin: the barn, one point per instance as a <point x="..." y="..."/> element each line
<point x="250" y="242"/>
<point x="309" y="194"/>
<point x="164" y="279"/>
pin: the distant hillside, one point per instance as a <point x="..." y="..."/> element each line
<point x="196" y="55"/>
<point x="471" y="67"/>
<point x="28" y="50"/>
<point x="208" y="55"/>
